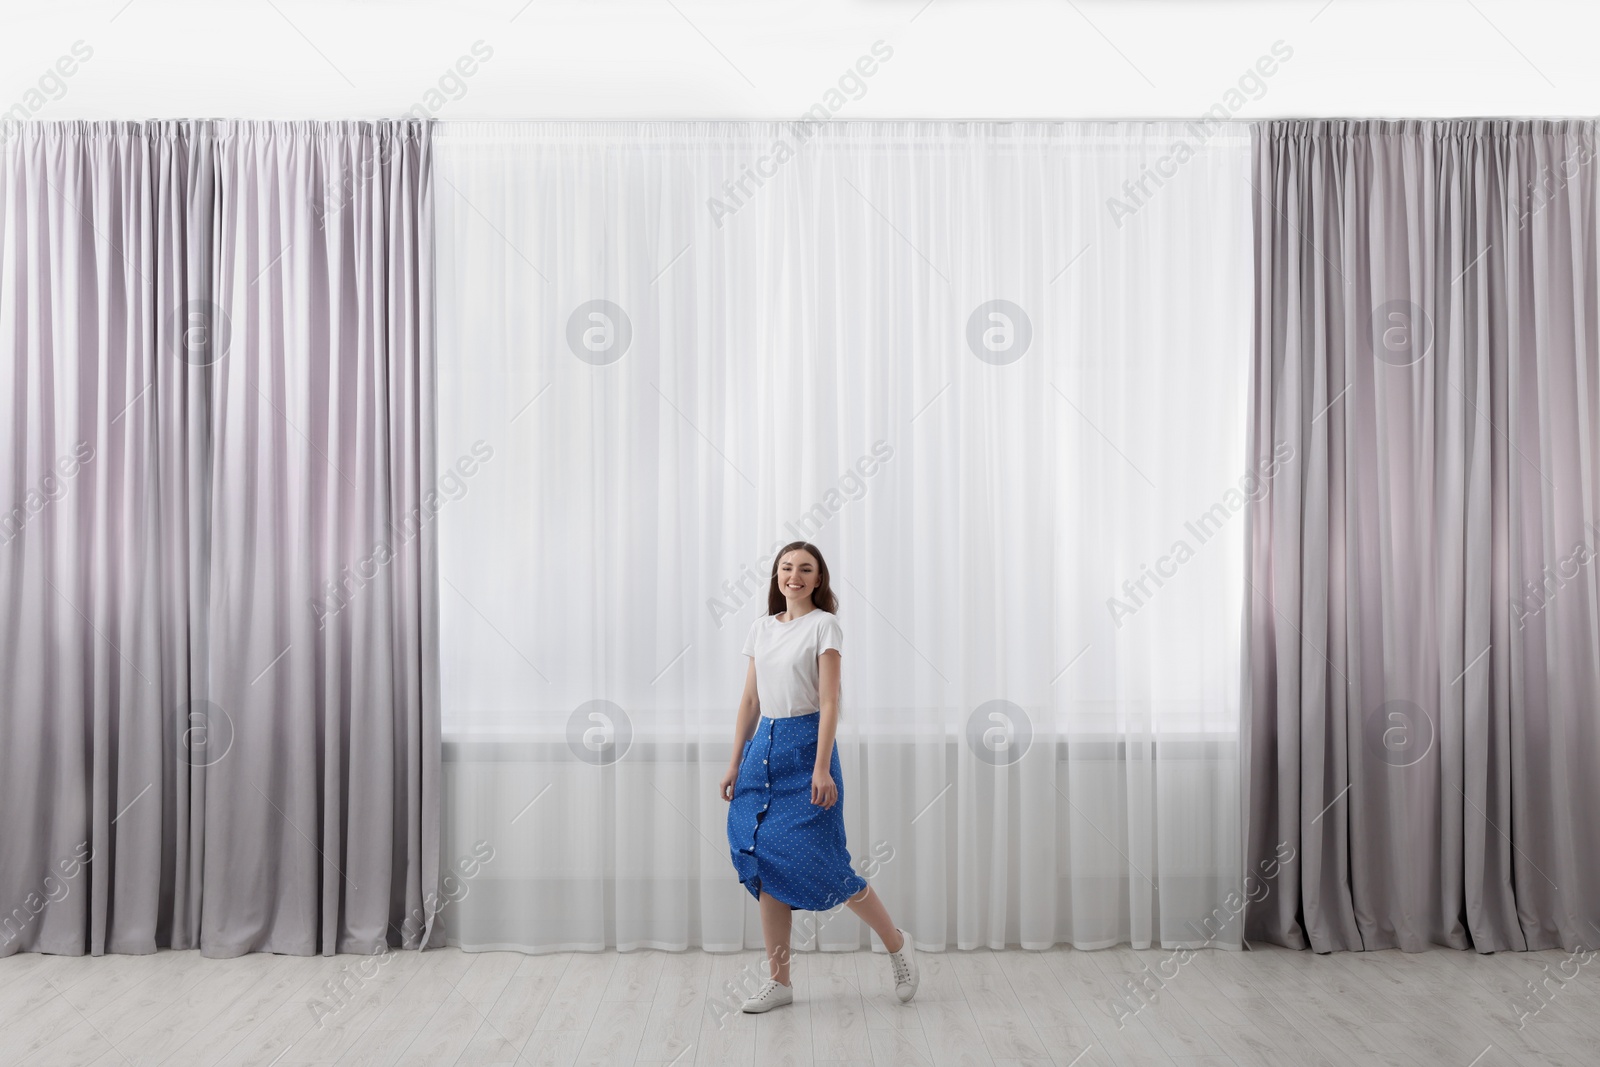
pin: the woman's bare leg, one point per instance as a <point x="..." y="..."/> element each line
<point x="868" y="906"/>
<point x="777" y="923"/>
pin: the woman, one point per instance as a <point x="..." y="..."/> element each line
<point x="785" y="822"/>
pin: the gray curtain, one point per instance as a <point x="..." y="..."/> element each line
<point x="1424" y="610"/>
<point x="219" y="716"/>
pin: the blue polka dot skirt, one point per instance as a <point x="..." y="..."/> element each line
<point x="781" y="843"/>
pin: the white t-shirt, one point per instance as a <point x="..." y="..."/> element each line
<point x="786" y="660"/>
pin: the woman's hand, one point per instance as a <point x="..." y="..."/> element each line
<point x="823" y="791"/>
<point x="725" y="787"/>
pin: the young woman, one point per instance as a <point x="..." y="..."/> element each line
<point x="786" y="817"/>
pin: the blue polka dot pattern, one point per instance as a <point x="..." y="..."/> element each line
<point x="781" y="843"/>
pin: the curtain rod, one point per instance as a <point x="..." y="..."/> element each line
<point x="1015" y="120"/>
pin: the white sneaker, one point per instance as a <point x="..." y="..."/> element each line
<point x="772" y="994"/>
<point x="905" y="968"/>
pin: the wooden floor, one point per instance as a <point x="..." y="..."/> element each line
<point x="1056" y="1009"/>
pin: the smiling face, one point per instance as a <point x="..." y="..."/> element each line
<point x="797" y="576"/>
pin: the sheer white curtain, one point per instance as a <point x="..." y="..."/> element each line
<point x="995" y="371"/>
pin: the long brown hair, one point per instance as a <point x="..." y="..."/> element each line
<point x="822" y="596"/>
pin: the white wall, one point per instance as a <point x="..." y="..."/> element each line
<point x="749" y="58"/>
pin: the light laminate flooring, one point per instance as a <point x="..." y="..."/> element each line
<point x="1014" y="1008"/>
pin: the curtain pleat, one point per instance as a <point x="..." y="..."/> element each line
<point x="1423" y="627"/>
<point x="218" y="618"/>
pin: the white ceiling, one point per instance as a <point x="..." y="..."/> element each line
<point x="772" y="59"/>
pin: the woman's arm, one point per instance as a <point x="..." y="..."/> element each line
<point x="744" y="724"/>
<point x="828" y="697"/>
<point x="744" y="728"/>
